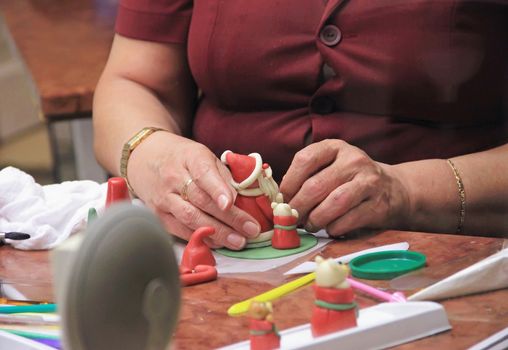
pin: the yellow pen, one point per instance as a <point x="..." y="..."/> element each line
<point x="242" y="307"/>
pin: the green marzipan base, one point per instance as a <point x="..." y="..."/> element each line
<point x="307" y="241"/>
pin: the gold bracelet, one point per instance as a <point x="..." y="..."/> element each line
<point x="462" y="197"/>
<point x="129" y="146"/>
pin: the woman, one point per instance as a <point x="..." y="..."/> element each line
<point x="380" y="114"/>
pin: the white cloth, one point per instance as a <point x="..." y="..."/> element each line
<point x="51" y="213"/>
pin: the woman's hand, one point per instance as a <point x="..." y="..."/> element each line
<point x="161" y="168"/>
<point x="336" y="186"/>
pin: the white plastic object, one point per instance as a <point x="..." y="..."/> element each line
<point x="15" y="342"/>
<point x="381" y="326"/>
<point x="310" y="266"/>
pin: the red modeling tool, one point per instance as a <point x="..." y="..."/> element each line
<point x="198" y="263"/>
<point x="117" y="191"/>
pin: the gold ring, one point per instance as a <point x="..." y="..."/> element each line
<point x="184" y="193"/>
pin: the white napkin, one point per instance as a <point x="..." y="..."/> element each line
<point x="488" y="274"/>
<point x="49" y="213"/>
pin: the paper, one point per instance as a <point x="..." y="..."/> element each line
<point x="232" y="265"/>
<point x="310" y="266"/>
<point x="486" y="275"/>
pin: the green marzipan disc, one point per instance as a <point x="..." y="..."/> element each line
<point x="307" y="241"/>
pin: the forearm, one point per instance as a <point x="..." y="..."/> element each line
<point x="122" y="108"/>
<point x="434" y="195"/>
<point x="144" y="84"/>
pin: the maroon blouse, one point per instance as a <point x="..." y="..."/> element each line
<point x="401" y="79"/>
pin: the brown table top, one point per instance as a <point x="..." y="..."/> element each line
<point x="204" y="323"/>
<point x="65" y="45"/>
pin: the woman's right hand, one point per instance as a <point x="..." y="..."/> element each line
<point x="158" y="171"/>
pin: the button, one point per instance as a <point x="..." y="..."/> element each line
<point x="330" y="35"/>
<point x="322" y="105"/>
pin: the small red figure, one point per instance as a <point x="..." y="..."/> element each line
<point x="334" y="308"/>
<point x="197" y="252"/>
<point x="263" y="333"/>
<point x="255" y="186"/>
<point x="200" y="274"/>
<point x="198" y="263"/>
<point x="285" y="235"/>
<point x="117" y="191"/>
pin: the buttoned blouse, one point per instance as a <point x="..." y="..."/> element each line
<point x="401" y="79"/>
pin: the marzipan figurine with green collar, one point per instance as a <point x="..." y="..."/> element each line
<point x="334" y="308"/>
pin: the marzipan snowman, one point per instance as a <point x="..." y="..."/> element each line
<point x="334" y="307"/>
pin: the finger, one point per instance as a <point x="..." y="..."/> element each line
<point x="336" y="204"/>
<point x="361" y="217"/>
<point x="192" y="217"/>
<point x="206" y="174"/>
<point x="307" y="162"/>
<point x="226" y="175"/>
<point x="235" y="218"/>
<point x="174" y="227"/>
<point x="318" y="187"/>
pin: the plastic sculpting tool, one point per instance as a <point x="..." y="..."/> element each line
<point x="30" y="334"/>
<point x="242" y="307"/>
<point x="92" y="215"/>
<point x="54" y="343"/>
<point x="16" y="236"/>
<point x="377" y="293"/>
<point x="27" y="308"/>
<point x="42" y="319"/>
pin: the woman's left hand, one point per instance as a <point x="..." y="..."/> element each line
<point x="336" y="186"/>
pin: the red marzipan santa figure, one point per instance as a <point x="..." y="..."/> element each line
<point x="256" y="189"/>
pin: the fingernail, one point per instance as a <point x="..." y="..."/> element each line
<point x="251" y="229"/>
<point x="223" y="202"/>
<point x="309" y="227"/>
<point x="236" y="240"/>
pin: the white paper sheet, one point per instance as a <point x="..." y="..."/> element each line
<point x="486" y="275"/>
<point x="310" y="266"/>
<point x="226" y="264"/>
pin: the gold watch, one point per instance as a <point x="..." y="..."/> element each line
<point x="129" y="146"/>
